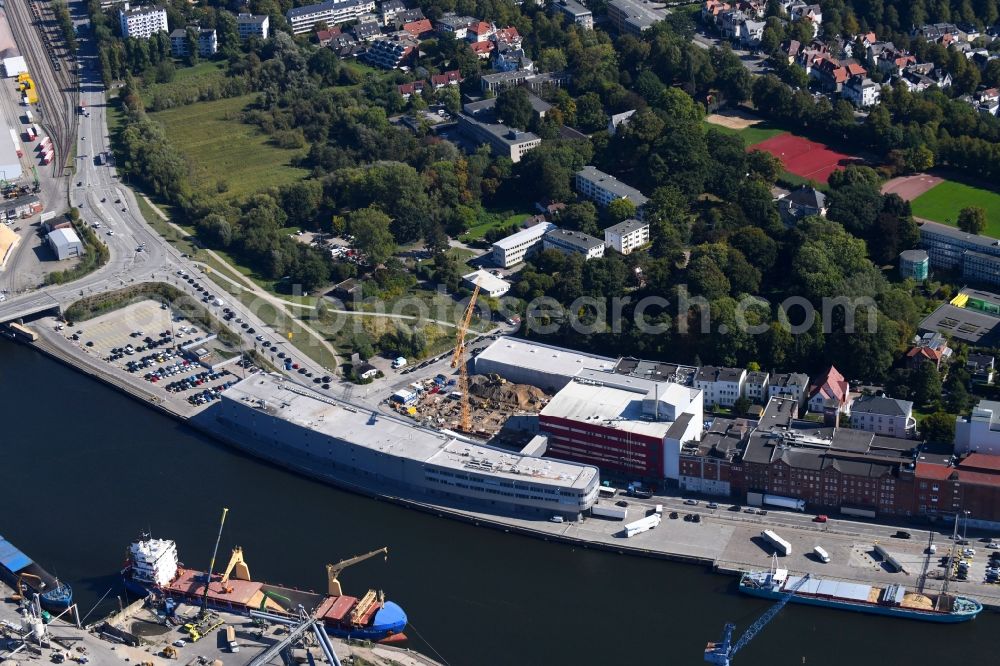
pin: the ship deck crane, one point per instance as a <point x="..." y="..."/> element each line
<point x="722" y="653"/>
<point x="333" y="570"/>
<point x="19" y="591"/>
<point x="458" y="361"/>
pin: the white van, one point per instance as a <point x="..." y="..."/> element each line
<point x="823" y="556"/>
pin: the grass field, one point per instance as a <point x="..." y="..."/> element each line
<point x="222" y="149"/>
<point x="943" y="202"/>
<point x="751" y="135"/>
<point x="478" y="230"/>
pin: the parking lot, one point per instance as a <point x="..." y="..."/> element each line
<point x="144" y="340"/>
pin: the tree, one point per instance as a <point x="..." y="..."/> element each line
<point x="620" y="210"/>
<point x="370" y="226"/>
<point x="926" y="384"/>
<point x="972" y="219"/>
<point x="513" y="108"/>
<point x="707" y="279"/>
<point x="938" y="427"/>
<point x="590" y="113"/>
<point x="741" y="406"/>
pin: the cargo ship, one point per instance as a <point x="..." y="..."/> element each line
<point x="152" y="566"/>
<point x="892" y="600"/>
<point x="27" y="577"/>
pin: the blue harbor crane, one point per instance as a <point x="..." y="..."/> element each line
<point x="722" y="653"/>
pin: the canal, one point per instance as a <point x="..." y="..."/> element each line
<point x="88" y="469"/>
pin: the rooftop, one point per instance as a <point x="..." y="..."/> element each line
<point x="486" y="281"/>
<point x="626" y="227"/>
<point x="656" y="371"/>
<point x="881" y="405"/>
<point x="611" y="184"/>
<point x="63" y="237"/>
<point x="546" y="358"/>
<point x="372" y="430"/>
<point x="710" y="373"/>
<point x="956" y="234"/>
<point x="787" y="379"/>
<point x="577" y="239"/>
<point x="913" y="255"/>
<point x="322" y="7"/>
<point x="529" y="234"/>
<point x="506" y="134"/>
<point x="962" y="324"/>
<point x="539" y="105"/>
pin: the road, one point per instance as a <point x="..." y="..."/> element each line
<point x="137" y="253"/>
<point x="754" y="62"/>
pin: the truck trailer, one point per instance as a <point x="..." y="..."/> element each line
<point x="641" y="525"/>
<point x="785" y="502"/>
<point x="609" y="511"/>
<point x="783" y="547"/>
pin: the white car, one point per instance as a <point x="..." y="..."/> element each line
<point x="993" y="545"/>
<point x="111" y="232"/>
<point x="969" y="552"/>
<point x="691" y="502"/>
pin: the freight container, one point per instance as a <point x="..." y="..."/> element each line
<point x="28" y="118"/>
<point x="780" y="545"/>
<point x="785" y="502"/>
<point x="17" y="142"/>
<point x="641" y="525"/>
<point x="609" y="511"/>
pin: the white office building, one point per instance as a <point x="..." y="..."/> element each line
<point x="573" y="242"/>
<point x="253" y="25"/>
<point x="332" y="12"/>
<point x="142" y="22"/>
<point x="627" y="236"/>
<point x="513" y="249"/>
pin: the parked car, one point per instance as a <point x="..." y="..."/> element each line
<point x="901" y="534"/>
<point x="820" y="519"/>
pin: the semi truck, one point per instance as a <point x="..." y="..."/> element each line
<point x="609" y="511"/>
<point x="785" y="502"/>
<point x="780" y="545"/>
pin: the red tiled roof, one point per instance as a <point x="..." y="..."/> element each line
<point x="981" y="461"/>
<point x="854" y="69"/>
<point x="452" y="76"/>
<point x="480" y="27"/>
<point x="926" y="352"/>
<point x="508" y="35"/>
<point x="832" y="385"/>
<point x="980" y="472"/>
<point x="481" y="47"/>
<point x="418" y="28"/>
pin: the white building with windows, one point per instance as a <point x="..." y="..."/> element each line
<point x="574" y="242"/>
<point x="253" y="25"/>
<point x="208" y="42"/>
<point x="720" y="386"/>
<point x="142" y="22"/>
<point x="332" y="12"/>
<point x="603" y="188"/>
<point x="513" y="249"/>
<point x="755" y="387"/>
<point x="627" y="236"/>
<point x="791" y="385"/>
<point x="489" y="284"/>
<point x="883" y="416"/>
<point x="980" y="431"/>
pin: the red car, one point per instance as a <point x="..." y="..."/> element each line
<point x="820" y="519"/>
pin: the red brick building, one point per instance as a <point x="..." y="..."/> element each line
<point x="973" y="485"/>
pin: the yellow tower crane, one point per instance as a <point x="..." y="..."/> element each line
<point x="458" y="361"/>
<point x="333" y="570"/>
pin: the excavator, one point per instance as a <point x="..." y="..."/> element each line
<point x="333" y="570"/>
<point x="237" y="568"/>
<point x="19" y="589"/>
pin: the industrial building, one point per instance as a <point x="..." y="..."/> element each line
<point x="513" y="249"/>
<point x="332" y="12"/>
<point x="14" y="65"/>
<point x="142" y="22"/>
<point x="22" y="206"/>
<point x="10" y="163"/>
<point x="573" y="242"/>
<point x="627" y="236"/>
<point x="625" y="424"/>
<point x="633" y="17"/>
<point x="253" y="25"/>
<point x="335" y="442"/>
<point x="914" y="264"/>
<point x="65" y="243"/>
<point x="489" y="284"/>
<point x="536" y="364"/>
<point x="979" y="432"/>
<point x="603" y="188"/>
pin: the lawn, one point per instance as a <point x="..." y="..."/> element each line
<point x="751" y="135"/>
<point x="222" y="149"/>
<point x="943" y="202"/>
<point x="489" y="221"/>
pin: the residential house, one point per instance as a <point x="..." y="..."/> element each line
<point x="480" y="31"/>
<point x="331" y="12"/>
<point x="366" y="31"/>
<point x="456" y="26"/>
<point x="862" y="92"/>
<point x="711" y="10"/>
<point x="751" y="32"/>
<point x="755" y="388"/>
<point x="830" y="389"/>
<point x="885" y="416"/>
<point x="412" y="88"/>
<point x="619" y="119"/>
<point x="720" y="386"/>
<point x="936" y="32"/>
<point x="482" y="49"/>
<point x="790" y="385"/>
<point x="829" y="74"/>
<point x="324" y="37"/>
<point x="917" y="356"/>
<point x="388" y="10"/>
<point x="366" y="371"/>
<point x="802" y="202"/>
<point x="450" y="78"/>
<point x="208" y="43"/>
<point x="981" y="367"/>
<point x="142" y="22"/>
<point x="418" y="29"/>
<point x="811" y="13"/>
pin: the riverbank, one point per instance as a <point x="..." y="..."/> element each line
<point x="724" y="541"/>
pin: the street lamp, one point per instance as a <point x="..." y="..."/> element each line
<point x="965" y="528"/>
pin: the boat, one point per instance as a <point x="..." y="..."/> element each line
<point x="893" y="600"/>
<point x="153" y="567"/>
<point x="26" y="576"/>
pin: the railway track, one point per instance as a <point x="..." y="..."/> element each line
<point x="40" y="41"/>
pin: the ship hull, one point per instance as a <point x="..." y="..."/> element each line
<point x="872" y="609"/>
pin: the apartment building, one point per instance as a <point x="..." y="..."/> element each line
<point x="883" y="416"/>
<point x="574" y="242"/>
<point x="502" y="140"/>
<point x="576" y="12"/>
<point x="208" y="43"/>
<point x="142" y="22"/>
<point x="790" y="385"/>
<point x="721" y="386"/>
<point x="633" y="17"/>
<point x="332" y="12"/>
<point x="603" y="188"/>
<point x="253" y="25"/>
<point x="755" y="388"/>
<point x="627" y="236"/>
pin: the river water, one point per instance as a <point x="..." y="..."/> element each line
<point x="87" y="469"/>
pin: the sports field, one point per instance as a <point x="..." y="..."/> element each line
<point x="944" y="201"/>
<point x="805" y="158"/>
<point x="223" y="149"/>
